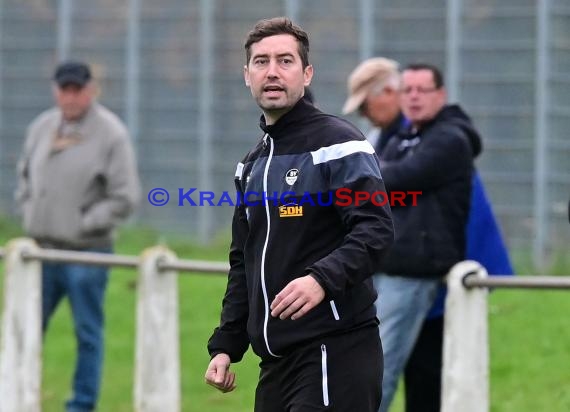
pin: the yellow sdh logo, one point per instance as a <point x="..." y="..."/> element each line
<point x="290" y="211"/>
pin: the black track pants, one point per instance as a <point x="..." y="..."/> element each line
<point x="340" y="373"/>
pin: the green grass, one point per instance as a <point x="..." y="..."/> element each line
<point x="529" y="330"/>
<point x="200" y="298"/>
<point x="530" y="352"/>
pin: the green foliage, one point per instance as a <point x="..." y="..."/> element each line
<point x="529" y="339"/>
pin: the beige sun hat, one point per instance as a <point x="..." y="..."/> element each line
<point x="366" y="75"/>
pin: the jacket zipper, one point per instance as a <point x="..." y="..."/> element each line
<point x="264" y="252"/>
<point x="325" y="375"/>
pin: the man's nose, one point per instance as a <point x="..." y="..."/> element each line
<point x="272" y="69"/>
<point x="68" y="97"/>
<point x="414" y="92"/>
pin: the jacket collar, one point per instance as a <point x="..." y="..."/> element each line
<point x="300" y="111"/>
<point x="86" y="122"/>
<point x="443" y="113"/>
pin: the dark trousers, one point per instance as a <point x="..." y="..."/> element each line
<point x="422" y="376"/>
<point x="341" y="373"/>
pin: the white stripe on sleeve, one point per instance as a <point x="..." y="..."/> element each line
<point x="337" y="151"/>
<point x="239" y="170"/>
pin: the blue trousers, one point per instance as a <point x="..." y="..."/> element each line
<point x="85" y="287"/>
<point x="402" y="306"/>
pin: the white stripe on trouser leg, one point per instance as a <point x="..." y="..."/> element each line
<point x="325" y="376"/>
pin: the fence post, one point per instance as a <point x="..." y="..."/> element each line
<point x="465" y="385"/>
<point x="157" y="363"/>
<point x="21" y="335"/>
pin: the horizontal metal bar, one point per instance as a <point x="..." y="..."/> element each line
<point x="221" y="268"/>
<point x="509" y="144"/>
<point x="508" y="12"/>
<point x="501" y="111"/>
<point x="90" y="258"/>
<point x="218" y="268"/>
<point x="517" y="282"/>
<point x="492" y="78"/>
<point x="498" y="46"/>
<point x="106" y="259"/>
<point x="560" y="111"/>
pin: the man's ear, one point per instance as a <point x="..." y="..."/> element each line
<point x="308" y="74"/>
<point x="246" y="75"/>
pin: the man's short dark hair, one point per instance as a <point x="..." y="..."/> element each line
<point x="275" y="26"/>
<point x="437" y="75"/>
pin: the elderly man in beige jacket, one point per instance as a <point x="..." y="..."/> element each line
<point x="77" y="181"/>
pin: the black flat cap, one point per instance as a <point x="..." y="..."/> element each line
<point x="72" y="72"/>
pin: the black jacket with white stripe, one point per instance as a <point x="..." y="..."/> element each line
<point x="298" y="228"/>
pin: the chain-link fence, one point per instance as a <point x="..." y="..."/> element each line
<point x="173" y="71"/>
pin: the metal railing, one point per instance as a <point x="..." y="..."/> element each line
<point x="105" y="259"/>
<point x="471" y="280"/>
<point x="157" y="359"/>
<point x="465" y="374"/>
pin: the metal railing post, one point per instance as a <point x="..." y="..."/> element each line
<point x="21" y="335"/>
<point x="157" y="363"/>
<point x="465" y="375"/>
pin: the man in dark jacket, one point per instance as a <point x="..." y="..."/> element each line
<point x="435" y="156"/>
<point x="374" y="90"/>
<point x="299" y="287"/>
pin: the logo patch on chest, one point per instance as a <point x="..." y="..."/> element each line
<point x="290" y="211"/>
<point x="291" y="176"/>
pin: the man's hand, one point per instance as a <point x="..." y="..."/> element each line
<point x="297" y="298"/>
<point x="218" y="373"/>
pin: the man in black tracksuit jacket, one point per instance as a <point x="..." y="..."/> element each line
<point x="299" y="288"/>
